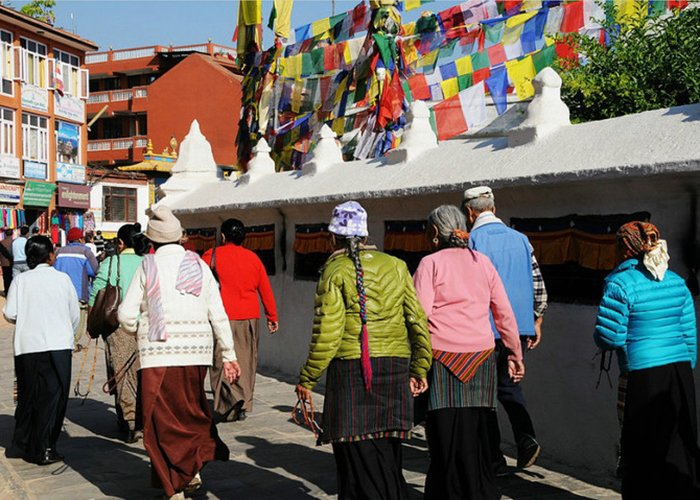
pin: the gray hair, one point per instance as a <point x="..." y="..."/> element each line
<point x="481" y="204"/>
<point x="447" y="219"/>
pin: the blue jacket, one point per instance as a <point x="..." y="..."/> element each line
<point x="647" y="322"/>
<point x="510" y="254"/>
<point x="80" y="264"/>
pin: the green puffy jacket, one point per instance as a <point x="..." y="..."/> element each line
<point x="396" y="322"/>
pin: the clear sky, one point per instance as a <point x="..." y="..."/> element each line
<point x="136" y="23"/>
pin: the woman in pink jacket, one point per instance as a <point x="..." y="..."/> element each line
<point x="458" y="288"/>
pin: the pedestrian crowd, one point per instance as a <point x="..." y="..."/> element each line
<point x="440" y="348"/>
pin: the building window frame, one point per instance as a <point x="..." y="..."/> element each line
<point x="34" y="63"/>
<point x="7" y="132"/>
<point x="35" y="138"/>
<point x="123" y="195"/>
<point x="7" y="63"/>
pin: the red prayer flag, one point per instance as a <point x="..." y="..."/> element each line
<point x="573" y="17"/>
<point x="480" y="75"/>
<point x="452" y="17"/>
<point x="510" y="4"/>
<point x="390" y="106"/>
<point x="330" y="58"/>
<point x="419" y="87"/>
<point x="680" y="5"/>
<point x="497" y="55"/>
<point x="449" y="118"/>
<point x="358" y="16"/>
<point x="566" y="50"/>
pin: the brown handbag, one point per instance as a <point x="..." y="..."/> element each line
<point x="102" y="320"/>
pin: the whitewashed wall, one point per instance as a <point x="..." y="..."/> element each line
<point x="96" y="205"/>
<point x="576" y="423"/>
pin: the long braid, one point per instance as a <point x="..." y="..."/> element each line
<point x="353" y="246"/>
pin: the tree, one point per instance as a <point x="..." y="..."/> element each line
<point x="41" y="10"/>
<point x="647" y="63"/>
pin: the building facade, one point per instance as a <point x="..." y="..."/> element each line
<point x="43" y="134"/>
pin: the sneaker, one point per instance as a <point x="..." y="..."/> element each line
<point x="194" y="485"/>
<point x="527" y="454"/>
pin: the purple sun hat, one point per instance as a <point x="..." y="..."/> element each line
<point x="349" y="219"/>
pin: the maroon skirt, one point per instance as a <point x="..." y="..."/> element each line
<point x="178" y="431"/>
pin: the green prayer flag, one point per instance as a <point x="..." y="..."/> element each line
<point x="307" y="64"/>
<point x="273" y="16"/>
<point x="338" y="18"/>
<point x="407" y="91"/>
<point x="464" y="81"/>
<point x="543" y="58"/>
<point x="433" y="123"/>
<point x="480" y="60"/>
<point x="383" y="45"/>
<point x="360" y="90"/>
<point x="317" y="60"/>
<point x="448" y="49"/>
<point x="494" y="33"/>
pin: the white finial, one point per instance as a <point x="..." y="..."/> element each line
<point x="260" y="165"/>
<point x="418" y="136"/>
<point x="326" y="153"/>
<point x="545" y="114"/>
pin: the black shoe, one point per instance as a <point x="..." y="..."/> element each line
<point x="242" y="415"/>
<point x="133" y="437"/>
<point x="527" y="454"/>
<point x="50" y="456"/>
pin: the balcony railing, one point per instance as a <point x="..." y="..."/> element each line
<point x="118" y="95"/>
<point x="140" y="52"/>
<point x="118" y="144"/>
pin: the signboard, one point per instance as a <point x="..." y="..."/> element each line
<point x="35" y="98"/>
<point x="38" y="194"/>
<point x="68" y="172"/>
<point x="35" y="170"/>
<point x="74" y="196"/>
<point x="69" y="107"/>
<point x="9" y="193"/>
<point x="67" y="142"/>
<point x="9" y="167"/>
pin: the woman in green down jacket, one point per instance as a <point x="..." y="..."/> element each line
<point x="371" y="334"/>
<point x="120" y="348"/>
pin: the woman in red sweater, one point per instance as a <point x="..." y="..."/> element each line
<point x="243" y="279"/>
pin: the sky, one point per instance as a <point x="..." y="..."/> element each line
<point x="136" y="23"/>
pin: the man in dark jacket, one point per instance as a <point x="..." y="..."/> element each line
<point x="6" y="259"/>
<point x="80" y="264"/>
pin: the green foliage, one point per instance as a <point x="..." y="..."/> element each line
<point x="650" y="63"/>
<point x="41" y="10"/>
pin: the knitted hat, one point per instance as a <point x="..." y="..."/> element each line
<point x="478" y="192"/>
<point x="74" y="234"/>
<point x="349" y="219"/>
<point x="163" y="227"/>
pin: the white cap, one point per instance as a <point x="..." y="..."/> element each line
<point x="478" y="192"/>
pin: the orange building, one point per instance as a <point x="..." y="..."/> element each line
<point x="43" y="135"/>
<point x="155" y="93"/>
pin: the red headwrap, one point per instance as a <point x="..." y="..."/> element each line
<point x="638" y="238"/>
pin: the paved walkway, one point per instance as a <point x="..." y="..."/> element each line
<point x="271" y="456"/>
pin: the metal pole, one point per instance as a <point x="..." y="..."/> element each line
<point x="333" y="8"/>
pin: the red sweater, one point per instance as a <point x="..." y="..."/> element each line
<point x="242" y="278"/>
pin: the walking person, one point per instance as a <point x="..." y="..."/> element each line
<point x="80" y="264"/>
<point x="6" y="260"/>
<point x="458" y="288"/>
<point x="243" y="278"/>
<point x="647" y="317"/>
<point x="371" y="336"/>
<point x="174" y="308"/>
<point x="19" y="257"/>
<point x="43" y="305"/>
<point x="513" y="257"/>
<point x="121" y="355"/>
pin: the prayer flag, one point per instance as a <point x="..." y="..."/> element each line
<point x="419" y="87"/>
<point x="480" y="60"/>
<point x="511" y="34"/>
<point x="452" y="18"/>
<point x="464" y="65"/>
<point x="448" y="71"/>
<point x="436" y="92"/>
<point x="320" y="26"/>
<point x="522" y="73"/>
<point x="302" y="32"/>
<point x="450" y="87"/>
<point x="496" y="55"/>
<point x="531" y="4"/>
<point x="498" y="87"/>
<point x="473" y="101"/>
<point x="555" y="15"/>
<point x="480" y="75"/>
<point x="573" y="17"/>
<point x="543" y="58"/>
<point x="514" y="21"/>
<point x="494" y="33"/>
<point x="283" y="11"/>
<point x="513" y="51"/>
<point x="317" y="60"/>
<point x="464" y="81"/>
<point x="449" y="119"/>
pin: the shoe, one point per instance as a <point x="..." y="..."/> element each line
<point x="50" y="456"/>
<point x="180" y="495"/>
<point x="194" y="485"/>
<point x="133" y="437"/>
<point x="242" y="415"/>
<point x="528" y="453"/>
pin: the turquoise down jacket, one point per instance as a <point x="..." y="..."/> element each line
<point x="646" y="322"/>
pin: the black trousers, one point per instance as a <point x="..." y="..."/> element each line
<point x="511" y="397"/>
<point x="6" y="277"/>
<point x="660" y="435"/>
<point x="460" y="459"/>
<point x="43" y="380"/>
<point x="370" y="470"/>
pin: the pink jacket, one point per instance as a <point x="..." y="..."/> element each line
<point x="457" y="287"/>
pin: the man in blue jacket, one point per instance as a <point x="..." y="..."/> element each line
<point x="80" y="264"/>
<point x="512" y="256"/>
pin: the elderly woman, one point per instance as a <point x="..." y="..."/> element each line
<point x="371" y="334"/>
<point x="647" y="317"/>
<point x="174" y="308"/>
<point x="459" y="289"/>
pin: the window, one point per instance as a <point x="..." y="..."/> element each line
<point x="575" y="252"/>
<point x="134" y="81"/>
<point x="311" y="250"/>
<point x="94" y="86"/>
<point x="35" y="137"/>
<point x="112" y="128"/>
<point x="33" y="65"/>
<point x="261" y="241"/>
<point x="67" y="142"/>
<point x="406" y="240"/>
<point x="7" y="62"/>
<point x="66" y="74"/>
<point x="113" y="83"/>
<point x="7" y="132"/>
<point x="118" y="204"/>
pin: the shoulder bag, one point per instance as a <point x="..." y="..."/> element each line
<point x="212" y="266"/>
<point x="102" y="320"/>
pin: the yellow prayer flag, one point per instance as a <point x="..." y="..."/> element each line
<point x="338" y="126"/>
<point x="633" y="10"/>
<point x="450" y="87"/>
<point x="514" y="21"/>
<point x="283" y="21"/>
<point x="511" y="35"/>
<point x="464" y="65"/>
<point x="293" y="66"/>
<point x="297" y="90"/>
<point x="429" y="59"/>
<point x="342" y="87"/>
<point x="321" y="26"/>
<point x="249" y="12"/>
<point x="522" y="73"/>
<point x="411" y="4"/>
<point x="409" y="29"/>
<point x="531" y="4"/>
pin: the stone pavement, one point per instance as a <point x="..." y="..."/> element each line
<point x="271" y="456"/>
